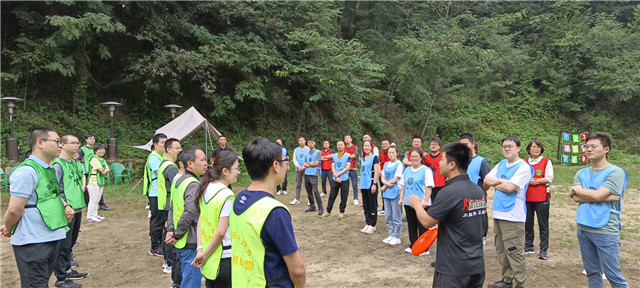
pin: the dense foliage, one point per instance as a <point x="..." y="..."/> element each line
<point x="280" y="69"/>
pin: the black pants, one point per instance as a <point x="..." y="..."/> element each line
<point x="434" y="193"/>
<point x="166" y="248"/>
<point x="284" y="184"/>
<point x="36" y="262"/>
<point x="415" y="228"/>
<point x="311" y="185"/>
<point x="445" y="281"/>
<point x="542" y="211"/>
<point x="325" y="176"/>
<point x="63" y="262"/>
<point x="344" y="193"/>
<point x="224" y="276"/>
<point x="156" y="224"/>
<point x="369" y="206"/>
<point x="176" y="266"/>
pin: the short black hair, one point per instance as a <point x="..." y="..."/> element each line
<point x="437" y="140"/>
<point x="38" y="133"/>
<point x="170" y="142"/>
<point x="86" y="136"/>
<point x="157" y="137"/>
<point x="189" y="154"/>
<point x="98" y="147"/>
<point x="466" y="136"/>
<point x="604" y="137"/>
<point x="311" y="139"/>
<point x="459" y="153"/>
<point x="385" y="139"/>
<point x="537" y="143"/>
<point x="181" y="159"/>
<point x="416" y="137"/>
<point x="394" y="147"/>
<point x="259" y="155"/>
<point x="512" y="138"/>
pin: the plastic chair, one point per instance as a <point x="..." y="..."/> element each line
<point x="4" y="179"/>
<point x="119" y="171"/>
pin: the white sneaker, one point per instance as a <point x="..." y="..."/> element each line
<point x="381" y="213"/>
<point x="355" y="202"/>
<point x="167" y="270"/>
<point x="365" y="228"/>
<point x="322" y="194"/>
<point x="484" y="241"/>
<point x="94" y="220"/>
<point x="149" y="214"/>
<point x="147" y="207"/>
<point x="294" y="202"/>
<point x="603" y="276"/>
<point x="395" y="241"/>
<point x="284" y="192"/>
<point x="425" y="253"/>
<point x="408" y="250"/>
<point x="279" y="192"/>
<point x="371" y="230"/>
<point x="386" y="240"/>
<point x="100" y="217"/>
<point x="308" y="203"/>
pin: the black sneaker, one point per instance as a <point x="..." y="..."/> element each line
<point x="105" y="208"/>
<point x="500" y="284"/>
<point x="543" y="255"/>
<point x="76" y="275"/>
<point x="519" y="286"/>
<point x="67" y="284"/>
<point x="433" y="264"/>
<point x="528" y="250"/>
<point x="310" y="210"/>
<point x="74" y="264"/>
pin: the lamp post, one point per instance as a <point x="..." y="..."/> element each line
<point x="173" y="108"/>
<point x="112" y="143"/>
<point x="11" y="142"/>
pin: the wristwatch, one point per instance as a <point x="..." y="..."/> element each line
<point x="573" y="192"/>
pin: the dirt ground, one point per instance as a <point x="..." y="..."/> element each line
<point x="336" y="254"/>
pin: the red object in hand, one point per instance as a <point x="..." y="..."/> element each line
<point x="424" y="242"/>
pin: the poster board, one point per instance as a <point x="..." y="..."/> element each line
<point x="571" y="149"/>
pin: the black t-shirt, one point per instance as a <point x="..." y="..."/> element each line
<point x="484" y="170"/>
<point x="218" y="149"/>
<point x="459" y="208"/>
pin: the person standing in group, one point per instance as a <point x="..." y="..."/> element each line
<point x="391" y="174"/>
<point x="416" y="179"/>
<point x="510" y="178"/>
<point x="374" y="148"/>
<point x="97" y="180"/>
<point x="352" y="150"/>
<point x="299" y="156"/>
<point x="432" y="160"/>
<point x="222" y="141"/>
<point x="70" y="184"/>
<point x="285" y="152"/>
<point x="477" y="170"/>
<point x="458" y="213"/>
<point x="325" y="173"/>
<point x="311" y="177"/>
<point x="36" y="218"/>
<point x="150" y="189"/>
<point x="183" y="225"/>
<point x="166" y="172"/>
<point x="214" y="202"/>
<point x="261" y="230"/>
<point x="340" y="164"/>
<point x="84" y="154"/>
<point x="538" y="197"/>
<point x="599" y="190"/>
<point x="416" y="143"/>
<point x="369" y="175"/>
<point x="384" y="157"/>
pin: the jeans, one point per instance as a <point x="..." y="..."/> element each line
<point x="601" y="252"/>
<point x="191" y="275"/>
<point x="393" y="214"/>
<point x="353" y="176"/>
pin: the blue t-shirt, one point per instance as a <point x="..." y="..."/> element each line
<point x="154" y="165"/>
<point x="340" y="163"/>
<point x="301" y="155"/>
<point x="312" y="157"/>
<point x="277" y="236"/>
<point x="31" y="228"/>
<point x="285" y="153"/>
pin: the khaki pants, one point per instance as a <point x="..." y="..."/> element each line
<point x="510" y="249"/>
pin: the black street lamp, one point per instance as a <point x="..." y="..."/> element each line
<point x="112" y="143"/>
<point x="11" y="142"/>
<point x="173" y="108"/>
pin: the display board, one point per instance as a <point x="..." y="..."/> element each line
<point x="571" y="149"/>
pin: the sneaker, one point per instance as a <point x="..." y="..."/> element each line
<point x="355" y="202"/>
<point x="322" y="194"/>
<point x="156" y="253"/>
<point x="528" y="250"/>
<point x="284" y="192"/>
<point x="381" y="213"/>
<point x="147" y="207"/>
<point x="433" y="264"/>
<point x="320" y="212"/>
<point x="76" y="275"/>
<point x="603" y="276"/>
<point x="386" y="240"/>
<point x="149" y="214"/>
<point x="408" y="250"/>
<point x="167" y="270"/>
<point x="325" y="215"/>
<point x="94" y="220"/>
<point x="100" y="217"/>
<point x="76" y="244"/>
<point x="519" y="286"/>
<point x="371" y="230"/>
<point x="74" y="264"/>
<point x="105" y="208"/>
<point x="484" y="241"/>
<point x="308" y="203"/>
<point x="311" y="209"/>
<point x="395" y="241"/>
<point x="543" y="255"/>
<point x="340" y="216"/>
<point x="279" y="192"/>
<point x="294" y="202"/>
<point x="425" y="253"/>
<point x="500" y="284"/>
<point x="67" y="284"/>
<point x="365" y="228"/>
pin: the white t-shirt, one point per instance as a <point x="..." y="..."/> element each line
<point x="212" y="189"/>
<point x="521" y="178"/>
<point x="428" y="179"/>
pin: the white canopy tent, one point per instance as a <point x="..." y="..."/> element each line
<point x="184" y="125"/>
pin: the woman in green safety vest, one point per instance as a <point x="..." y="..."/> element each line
<point x="214" y="202"/>
<point x="96" y="182"/>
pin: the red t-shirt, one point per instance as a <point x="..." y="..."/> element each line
<point x="351" y="150"/>
<point x="384" y="158"/>
<point x="326" y="164"/>
<point x="434" y="163"/>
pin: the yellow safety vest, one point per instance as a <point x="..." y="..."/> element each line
<point x="209" y="219"/>
<point x="148" y="174"/>
<point x="162" y="189"/>
<point x="177" y="200"/>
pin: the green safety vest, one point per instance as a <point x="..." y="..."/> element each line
<point x="248" y="253"/>
<point x="148" y="174"/>
<point x="49" y="203"/>
<point x="72" y="181"/>
<point x="209" y="219"/>
<point x="87" y="153"/>
<point x="101" y="178"/>
<point x="177" y="201"/>
<point x="162" y="189"/>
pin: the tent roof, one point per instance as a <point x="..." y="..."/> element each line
<point x="182" y="126"/>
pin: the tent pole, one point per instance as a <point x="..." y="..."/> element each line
<point x="206" y="144"/>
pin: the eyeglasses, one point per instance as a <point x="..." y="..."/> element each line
<point x="508" y="147"/>
<point x="53" y="140"/>
<point x="592" y="146"/>
<point x="283" y="160"/>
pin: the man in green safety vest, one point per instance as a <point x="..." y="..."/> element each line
<point x="36" y="218"/>
<point x="84" y="155"/>
<point x="167" y="171"/>
<point x="150" y="189"/>
<point x="183" y="225"/>
<point x="264" y="251"/>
